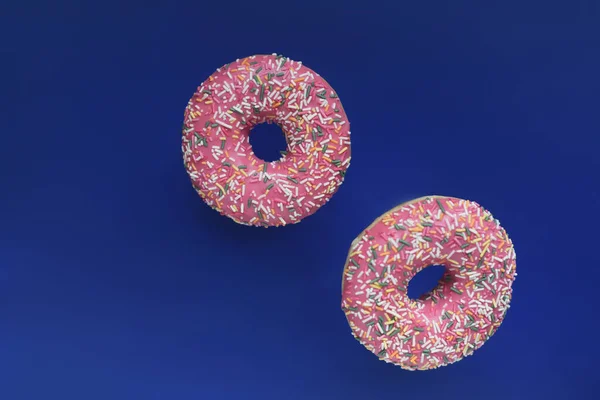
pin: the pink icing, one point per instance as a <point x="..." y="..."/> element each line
<point x="455" y="318"/>
<point x="219" y="158"/>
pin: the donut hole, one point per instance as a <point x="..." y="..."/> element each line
<point x="425" y="281"/>
<point x="268" y="142"/>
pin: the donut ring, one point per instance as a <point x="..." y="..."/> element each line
<point x="219" y="158"/>
<point x="455" y="318"/>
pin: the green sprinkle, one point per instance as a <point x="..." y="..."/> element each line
<point x="426" y="352"/>
<point x="259" y="214"/>
<point x="319" y="129"/>
<point x="292" y="179"/>
<point x="382" y="353"/>
<point x="370" y="323"/>
<point x="255" y="77"/>
<point x="206" y="124"/>
<point x="353" y="308"/>
<point x="399" y="227"/>
<point x="262" y="92"/>
<point x="258" y="70"/>
<point x="449" y="324"/>
<point x="455" y="290"/>
<point x="333" y="95"/>
<point x="353" y="261"/>
<point x="394" y="332"/>
<point x="283" y="153"/>
<point x="404" y="242"/>
<point x="242" y="166"/>
<point x="447" y="315"/>
<point x="235" y="110"/>
<point x="337" y="163"/>
<point x="337" y="120"/>
<point x="462" y="246"/>
<point x="265" y="167"/>
<point x="314" y="136"/>
<point x="474" y="329"/>
<point x="227" y="164"/>
<point x="374" y="253"/>
<point x="249" y="202"/>
<point x="426" y="224"/>
<point x="206" y="91"/>
<point x="253" y="62"/>
<point x="324" y="148"/>
<point x="371" y="267"/>
<point x="439" y="203"/>
<point x="222" y="144"/>
<point x="322" y="94"/>
<point x="419" y="329"/>
<point x="427" y="238"/>
<point x="307" y="92"/>
<point x="446" y="360"/>
<point x="214" y="125"/>
<point x="302" y="169"/>
<point x="265" y="179"/>
<point x="280" y="74"/>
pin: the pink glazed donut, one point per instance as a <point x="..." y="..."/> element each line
<point x="455" y="318"/>
<point x="217" y="152"/>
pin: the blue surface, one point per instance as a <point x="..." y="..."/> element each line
<point x="117" y="282"/>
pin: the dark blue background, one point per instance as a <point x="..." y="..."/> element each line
<point x="117" y="282"/>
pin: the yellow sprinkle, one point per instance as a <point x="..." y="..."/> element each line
<point x="485" y="247"/>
